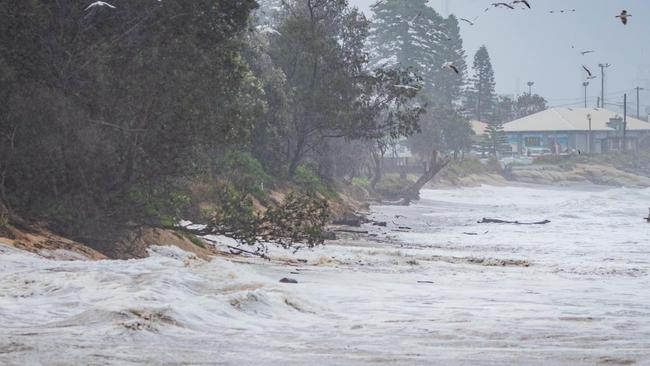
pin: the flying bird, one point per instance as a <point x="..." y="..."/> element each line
<point x="496" y="5"/>
<point x="586" y="52"/>
<point x="412" y="21"/>
<point x="588" y="72"/>
<point x="467" y="21"/>
<point x="449" y="65"/>
<point x="623" y="16"/>
<point x="267" y="29"/>
<point x="525" y="2"/>
<point x="562" y="11"/>
<point x="400" y="86"/>
<point x="99" y="3"/>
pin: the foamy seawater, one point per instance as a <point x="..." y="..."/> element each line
<point x="445" y="290"/>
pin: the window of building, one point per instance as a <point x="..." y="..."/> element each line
<point x="533" y="141"/>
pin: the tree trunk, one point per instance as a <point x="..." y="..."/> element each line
<point x="297" y="156"/>
<point x="325" y="163"/>
<point x="434" y="166"/>
<point x="377" y="171"/>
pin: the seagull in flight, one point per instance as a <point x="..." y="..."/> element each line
<point x="525" y="2"/>
<point x="267" y="29"/>
<point x="410" y="87"/>
<point x="496" y="5"/>
<point x="623" y="16"/>
<point x="99" y="3"/>
<point x="562" y="11"/>
<point x="449" y="65"/>
<point x="588" y="73"/>
<point x="467" y="21"/>
<point x="412" y="21"/>
<point x="586" y="52"/>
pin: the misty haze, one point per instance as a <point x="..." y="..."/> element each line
<point x="324" y="182"/>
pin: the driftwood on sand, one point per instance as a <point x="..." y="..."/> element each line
<point x="497" y="221"/>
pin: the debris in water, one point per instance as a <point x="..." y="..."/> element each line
<point x="497" y="221"/>
<point x="288" y="280"/>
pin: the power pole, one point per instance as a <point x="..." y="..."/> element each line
<point x="585" y="84"/>
<point x="602" y="83"/>
<point x="624" y="121"/>
<point x="638" y="89"/>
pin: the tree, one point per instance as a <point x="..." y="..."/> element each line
<point x="407" y="33"/>
<point x="104" y="101"/>
<point x="529" y="104"/>
<point x="444" y="129"/>
<point x="319" y="82"/>
<point x="481" y="97"/>
<point x="495" y="140"/>
<point x="319" y="49"/>
<point x="505" y="109"/>
<point x="449" y="85"/>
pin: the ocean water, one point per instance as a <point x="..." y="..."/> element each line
<point x="433" y="287"/>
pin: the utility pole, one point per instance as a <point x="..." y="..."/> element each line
<point x="585" y="84"/>
<point x="624" y="121"/>
<point x="638" y="89"/>
<point x="589" y="137"/>
<point x="602" y="83"/>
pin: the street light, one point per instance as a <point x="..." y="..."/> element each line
<point x="530" y="87"/>
<point x="585" y="84"/>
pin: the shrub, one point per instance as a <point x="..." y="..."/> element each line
<point x="159" y="205"/>
<point x="310" y="182"/>
<point x="234" y="216"/>
<point x="245" y="172"/>
<point x="392" y="183"/>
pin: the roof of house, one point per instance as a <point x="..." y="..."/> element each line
<point x="478" y="127"/>
<point x="571" y="119"/>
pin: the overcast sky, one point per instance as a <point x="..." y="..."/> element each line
<point x="535" y="45"/>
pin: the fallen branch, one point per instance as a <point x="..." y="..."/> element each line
<point x="238" y="251"/>
<point x="497" y="221"/>
<point x="468" y="233"/>
<point x="351" y="231"/>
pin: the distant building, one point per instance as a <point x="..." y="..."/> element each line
<point x="590" y="130"/>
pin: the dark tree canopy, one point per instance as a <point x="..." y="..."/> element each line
<point x="100" y="100"/>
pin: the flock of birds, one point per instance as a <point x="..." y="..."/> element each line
<point x="525" y="4"/>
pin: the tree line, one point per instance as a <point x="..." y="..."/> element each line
<point x="106" y="110"/>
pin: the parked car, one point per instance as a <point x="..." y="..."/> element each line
<point x="515" y="159"/>
<point x="535" y="152"/>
